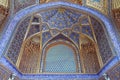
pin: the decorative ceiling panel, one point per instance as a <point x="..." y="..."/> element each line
<point x="54" y="24"/>
<point x="75" y="37"/>
<point x="60" y="18"/>
<point x="55" y="21"/>
<point x="86" y="30"/>
<point x="46" y="36"/>
<point x="45" y="27"/>
<point x="54" y="32"/>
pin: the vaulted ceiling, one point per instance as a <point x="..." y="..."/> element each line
<point x="42" y="28"/>
<point x="55" y="24"/>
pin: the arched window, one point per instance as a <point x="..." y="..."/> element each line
<point x="61" y="59"/>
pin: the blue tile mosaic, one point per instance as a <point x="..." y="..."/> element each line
<point x="109" y="65"/>
<point x="16" y="43"/>
<point x="87" y="30"/>
<point x="55" y="32"/>
<point x="76" y="28"/>
<point x="66" y="32"/>
<point x="75" y="37"/>
<point x="33" y="29"/>
<point x="60" y="18"/>
<point x="103" y="44"/>
<point x="13" y="23"/>
<point x="45" y="27"/>
<point x="46" y="36"/>
<point x="85" y="21"/>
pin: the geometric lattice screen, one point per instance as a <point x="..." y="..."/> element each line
<point x="60" y="59"/>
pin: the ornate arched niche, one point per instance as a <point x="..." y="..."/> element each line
<point x="30" y="58"/>
<point x="80" y="29"/>
<point x="88" y="53"/>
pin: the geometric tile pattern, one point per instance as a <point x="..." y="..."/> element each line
<point x="75" y="37"/>
<point x="60" y="21"/>
<point x="45" y="27"/>
<point x="55" y="32"/>
<point x="20" y="4"/>
<point x="4" y="73"/>
<point x="76" y="28"/>
<point x="104" y="47"/>
<point x="113" y="73"/>
<point x="85" y="10"/>
<point x="85" y="20"/>
<point x="57" y="21"/>
<point x="87" y="30"/>
<point x="60" y="18"/>
<point x="66" y="32"/>
<point x="46" y="36"/>
<point x="60" y="59"/>
<point x="33" y="29"/>
<point x="17" y="40"/>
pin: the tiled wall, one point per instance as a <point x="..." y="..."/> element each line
<point x="113" y="73"/>
<point x="20" y="4"/>
<point x="12" y="27"/>
<point x="104" y="47"/>
<point x="5" y="73"/>
<point x="16" y="43"/>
